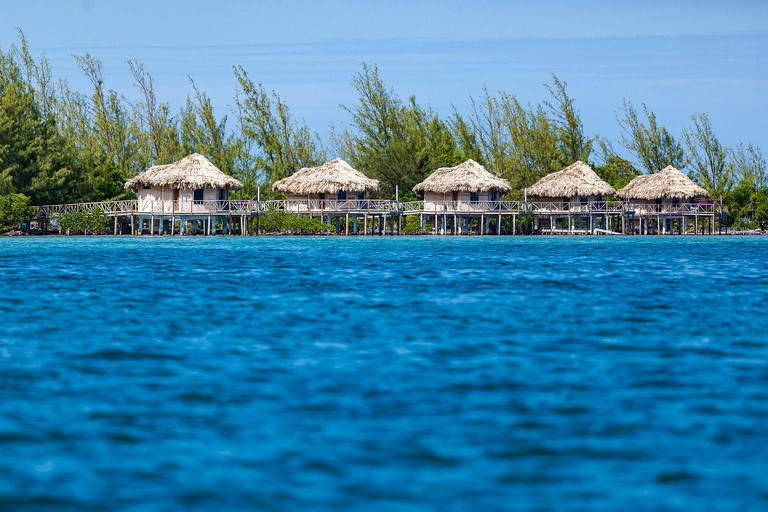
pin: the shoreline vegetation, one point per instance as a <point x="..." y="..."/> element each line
<point x="62" y="146"/>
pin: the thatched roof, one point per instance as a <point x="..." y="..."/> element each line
<point x="578" y="179"/>
<point x="193" y="171"/>
<point x="469" y="176"/>
<point x="668" y="183"/>
<point x="329" y="178"/>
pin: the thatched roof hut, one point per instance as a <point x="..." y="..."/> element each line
<point x="668" y="183"/>
<point x="191" y="172"/>
<point x="329" y="178"/>
<point x="469" y="176"/>
<point x="575" y="180"/>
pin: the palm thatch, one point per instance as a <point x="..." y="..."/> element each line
<point x="668" y="183"/>
<point x="329" y="178"/>
<point x="191" y="172"/>
<point x="469" y="176"/>
<point x="578" y="179"/>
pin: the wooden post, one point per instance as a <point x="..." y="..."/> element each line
<point x="346" y="225"/>
<point x="115" y="231"/>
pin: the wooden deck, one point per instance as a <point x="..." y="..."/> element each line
<point x="447" y="217"/>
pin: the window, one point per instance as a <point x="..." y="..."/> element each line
<point x="361" y="195"/>
<point x="342" y="196"/>
<point x="583" y="199"/>
<point x="198" y="195"/>
<point x="675" y="200"/>
<point x="473" y="197"/>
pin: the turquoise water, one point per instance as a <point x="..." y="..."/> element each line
<point x="514" y="373"/>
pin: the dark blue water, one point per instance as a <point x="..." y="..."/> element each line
<point x="384" y="373"/>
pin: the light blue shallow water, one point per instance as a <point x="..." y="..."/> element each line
<point x="384" y="373"/>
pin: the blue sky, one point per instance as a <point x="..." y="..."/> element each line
<point x="678" y="57"/>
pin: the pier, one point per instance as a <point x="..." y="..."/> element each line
<point x="384" y="216"/>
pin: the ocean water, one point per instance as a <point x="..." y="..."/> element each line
<point x="425" y="373"/>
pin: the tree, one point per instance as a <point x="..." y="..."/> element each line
<point x="14" y="211"/>
<point x="653" y="146"/>
<point x="159" y="137"/>
<point x="617" y="171"/>
<point x="280" y="145"/>
<point x="749" y="165"/>
<point x="518" y="142"/>
<point x="573" y="143"/>
<point x="104" y="137"/>
<point x="33" y="157"/>
<point x="202" y="132"/>
<point x="395" y="142"/>
<point x="708" y="158"/>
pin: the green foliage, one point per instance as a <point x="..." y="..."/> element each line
<point x="278" y="221"/>
<point x="749" y="165"/>
<point x="276" y="144"/>
<point x="413" y="226"/>
<point x="709" y="160"/>
<point x="159" y="135"/>
<point x="14" y="211"/>
<point x="651" y="144"/>
<point x="617" y="171"/>
<point x="397" y="143"/>
<point x="518" y="142"/>
<point x="84" y="222"/>
<point x="748" y="206"/>
<point x="573" y="143"/>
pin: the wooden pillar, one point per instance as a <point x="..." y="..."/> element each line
<point x="115" y="230"/>
<point x="346" y="225"/>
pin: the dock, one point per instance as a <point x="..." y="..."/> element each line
<point x="385" y="216"/>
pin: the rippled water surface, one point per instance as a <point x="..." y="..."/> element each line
<point x="384" y="373"/>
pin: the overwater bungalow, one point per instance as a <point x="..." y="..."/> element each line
<point x="570" y="200"/>
<point x="669" y="198"/>
<point x="455" y="195"/>
<point x="191" y="189"/>
<point x="332" y="191"/>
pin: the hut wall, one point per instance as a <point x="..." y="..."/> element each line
<point x="313" y="202"/>
<point x="434" y="201"/>
<point x="574" y="203"/>
<point x="303" y="203"/>
<point x="644" y="206"/>
<point x="167" y="200"/>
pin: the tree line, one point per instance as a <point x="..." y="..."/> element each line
<point x="59" y="145"/>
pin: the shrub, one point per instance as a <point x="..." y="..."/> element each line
<point x="278" y="221"/>
<point x="412" y="226"/>
<point x="14" y="211"/>
<point x="84" y="222"/>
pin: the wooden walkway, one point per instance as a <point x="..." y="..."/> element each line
<point x="380" y="216"/>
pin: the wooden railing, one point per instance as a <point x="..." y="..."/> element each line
<point x="375" y="206"/>
<point x="334" y="205"/>
<point x="109" y="207"/>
